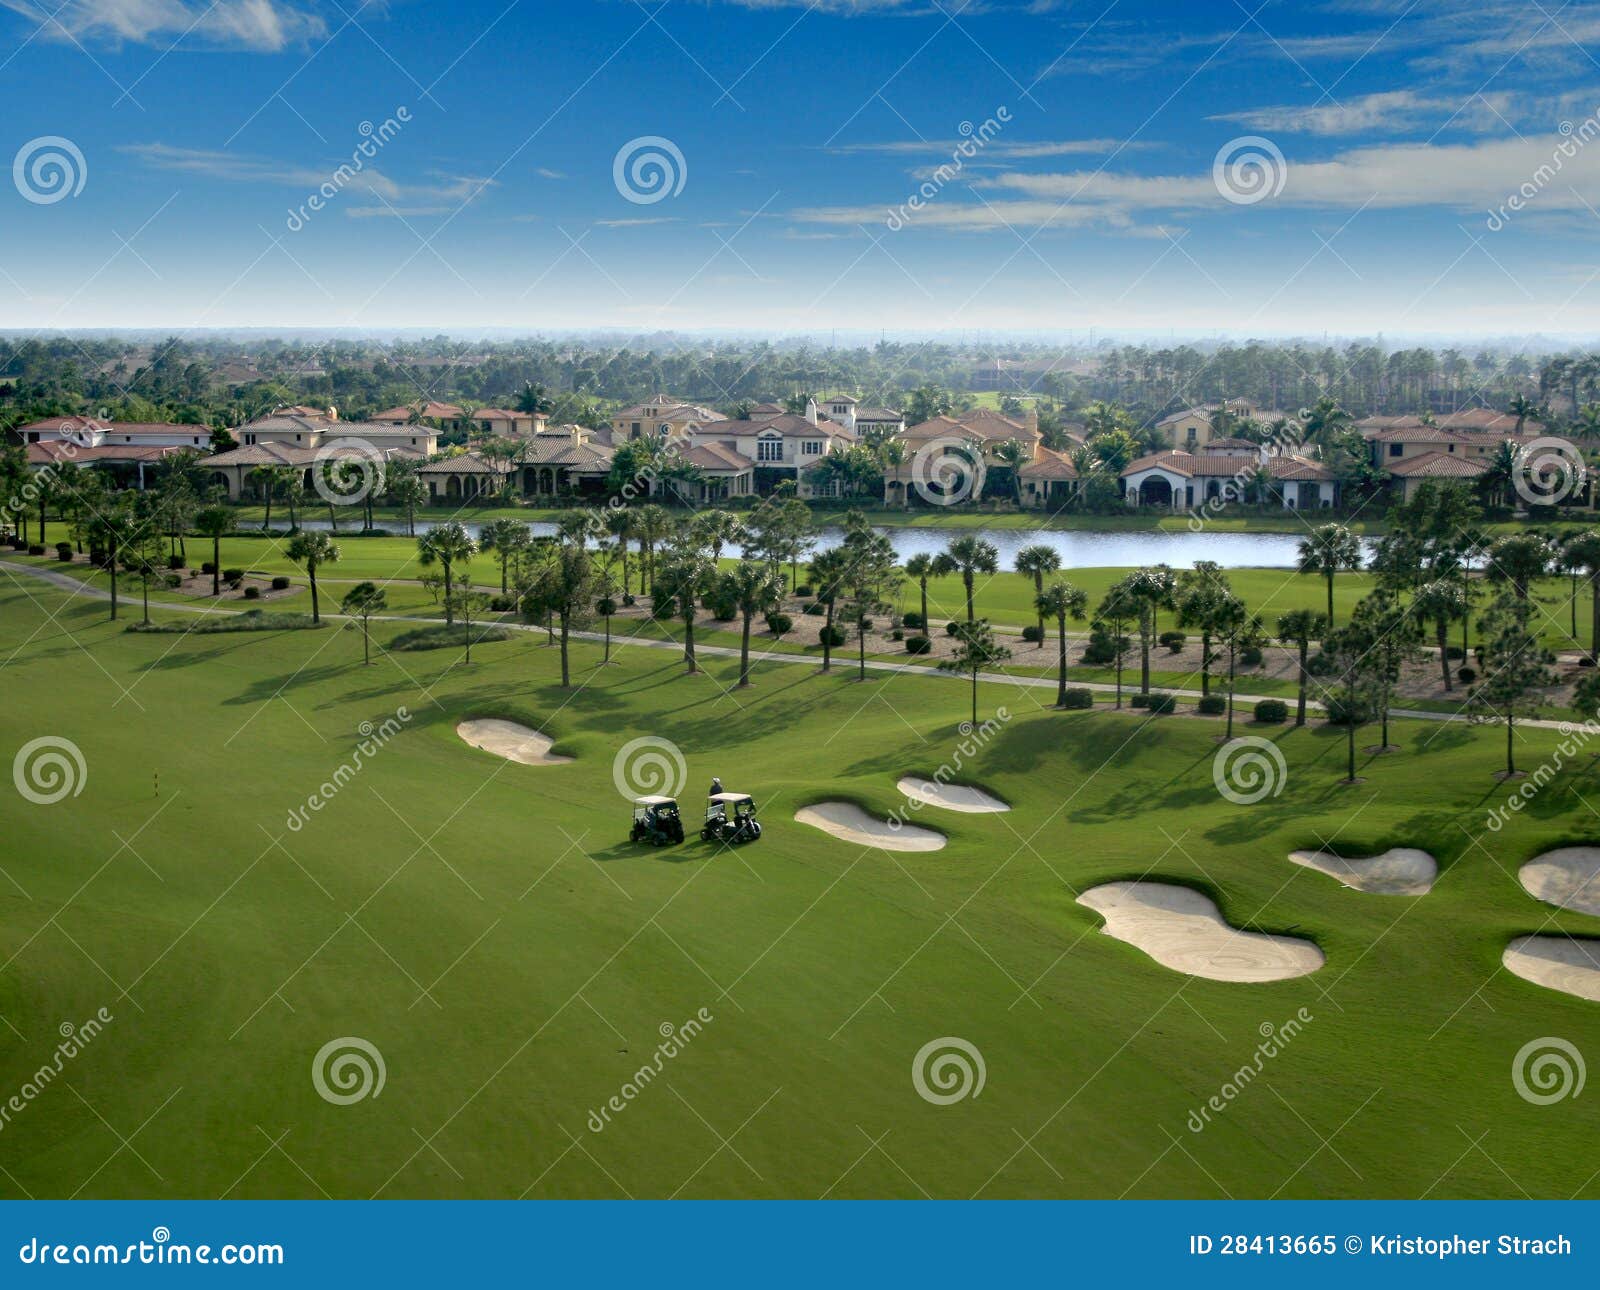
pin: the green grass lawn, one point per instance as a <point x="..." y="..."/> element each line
<point x="488" y="929"/>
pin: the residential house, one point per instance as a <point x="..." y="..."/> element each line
<point x="1189" y="429"/>
<point x="126" y="464"/>
<point x="661" y="416"/>
<point x="969" y="438"/>
<point x="1216" y="475"/>
<point x="234" y="469"/>
<point x="782" y="447"/>
<point x="447" y="417"/>
<point x="95" y="432"/>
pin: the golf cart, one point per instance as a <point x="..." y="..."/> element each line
<point x="656" y="821"/>
<point x="730" y="818"/>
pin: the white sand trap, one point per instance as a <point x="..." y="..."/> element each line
<point x="1183" y="930"/>
<point x="849" y="823"/>
<point x="1568" y="877"/>
<point x="1573" y="967"/>
<point x="509" y="740"/>
<point x="1399" y="871"/>
<point x="950" y="797"/>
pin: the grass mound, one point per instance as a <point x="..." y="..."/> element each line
<point x="440" y="637"/>
<point x="252" y="620"/>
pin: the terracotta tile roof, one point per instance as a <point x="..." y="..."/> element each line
<point x="43" y="454"/>
<point x="980" y="422"/>
<point x="717" y="457"/>
<point x="1437" y="465"/>
<point x="786" y="424"/>
<point x="1193" y="465"/>
<point x="71" y="425"/>
<point x="466" y="463"/>
<point x="1049" y="464"/>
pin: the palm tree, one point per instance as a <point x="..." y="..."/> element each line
<point x="1518" y="559"/>
<point x="621" y="524"/>
<point x="920" y="567"/>
<point x="970" y="556"/>
<point x="1583" y="549"/>
<point x="753" y="588"/>
<point x="1442" y="601"/>
<point x="446" y="545"/>
<point x="507" y="538"/>
<point x="313" y="549"/>
<point x="362" y="601"/>
<point x="685" y="577"/>
<point x="1331" y="549"/>
<point x="717" y="529"/>
<point x="1038" y="560"/>
<point x="1299" y="627"/>
<point x="114" y="529"/>
<point x="1059" y="601"/>
<point x="405" y="490"/>
<point x="828" y="571"/>
<point x="1016" y="454"/>
<point x="266" y="478"/>
<point x="655" y="525"/>
<point x="215" y="522"/>
<point x="294" y="494"/>
<point x="1521" y="407"/>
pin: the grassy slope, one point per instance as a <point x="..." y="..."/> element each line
<point x="242" y="959"/>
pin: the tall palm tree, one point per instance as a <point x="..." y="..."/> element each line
<point x="1584" y="550"/>
<point x="621" y="523"/>
<point x="969" y="556"/>
<point x="507" y="538"/>
<point x="448" y="545"/>
<point x="1443" y="602"/>
<point x="214" y="522"/>
<point x="1299" y="627"/>
<point x="1016" y="454"/>
<point x="313" y="550"/>
<point x="1331" y="549"/>
<point x="266" y="478"/>
<point x="920" y="568"/>
<point x="1061" y="600"/>
<point x="1036" y="561"/>
<point x="655" y="526"/>
<point x="684" y="578"/>
<point x="753" y="588"/>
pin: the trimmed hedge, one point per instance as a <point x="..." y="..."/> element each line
<point x="913" y="619"/>
<point x="1172" y="641"/>
<point x="1250" y="657"/>
<point x="1032" y="633"/>
<point x="1139" y="700"/>
<point x="252" y="620"/>
<point x="1211" y="705"/>
<point x="918" y="645"/>
<point x="36" y="549"/>
<point x="1078" y="697"/>
<point x="252" y="593"/>
<point x="779" y="624"/>
<point x="1272" y="712"/>
<point x="64" y="552"/>
<point x="1162" y="704"/>
<point x="280" y="582"/>
<point x="816" y="607"/>
<point x="804" y="589"/>
<point x="833" y="636"/>
<point x="442" y="636"/>
<point x="952" y="627"/>
<point x="502" y="604"/>
<point x="1466" y="675"/>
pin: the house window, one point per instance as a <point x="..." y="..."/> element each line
<point x="635" y="428"/>
<point x="769" y="450"/>
<point x="1395" y="449"/>
<point x="812" y="448"/>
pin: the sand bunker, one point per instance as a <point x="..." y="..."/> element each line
<point x="509" y="740"/>
<point x="950" y="797"/>
<point x="1399" y="871"/>
<point x="1568" y="877"/>
<point x="1573" y="967"/>
<point x="849" y="823"/>
<point x="1183" y="930"/>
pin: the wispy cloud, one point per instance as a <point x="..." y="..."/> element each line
<point x="1019" y="148"/>
<point x="1386" y="112"/>
<point x="262" y="25"/>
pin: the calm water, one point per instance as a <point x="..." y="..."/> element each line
<point x="1077" y="549"/>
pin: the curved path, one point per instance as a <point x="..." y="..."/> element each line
<point x="80" y="588"/>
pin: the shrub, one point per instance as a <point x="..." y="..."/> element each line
<point x="234" y="576"/>
<point x="898" y="634"/>
<point x="833" y="636"/>
<point x="1585" y="661"/>
<point x="1139" y="700"/>
<point x="502" y="604"/>
<point x="1272" y="712"/>
<point x="1161" y="704"/>
<point x="1101" y="648"/>
<point x="36" y="549"/>
<point x="174" y="562"/>
<point x="629" y="600"/>
<point x="280" y="583"/>
<point x="804" y="589"/>
<point x="1454" y="651"/>
<point x="64" y="552"/>
<point x="779" y="624"/>
<point x="1173" y="641"/>
<point x="1250" y="656"/>
<point x="17" y="544"/>
<point x="1079" y="697"/>
<point x="952" y="627"/>
<point x="252" y="620"/>
<point x="208" y="567"/>
<point x="252" y="593"/>
<point x="913" y="619"/>
<point x="722" y="607"/>
<point x="918" y="645"/>
<point x="1466" y="675"/>
<point x="439" y="637"/>
<point x="173" y="581"/>
<point x="1032" y="633"/>
<point x="817" y="608"/>
<point x="1211" y="705"/>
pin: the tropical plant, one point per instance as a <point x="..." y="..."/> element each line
<point x="312" y="550"/>
<point x="1036" y="561"/>
<point x="968" y="556"/>
<point x="363" y="601"/>
<point x="214" y="522"/>
<point x="1331" y="549"/>
<point x="1299" y="627"/>
<point x="752" y="588"/>
<point x="976" y="649"/>
<point x="451" y="547"/>
<point x="1061" y="600"/>
<point x="1514" y="669"/>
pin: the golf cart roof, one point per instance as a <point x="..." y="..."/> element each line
<point x="655" y="801"/>
<point x="729" y="797"/>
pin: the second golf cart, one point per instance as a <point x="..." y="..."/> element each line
<point x="731" y="818"/>
<point x="656" y="820"/>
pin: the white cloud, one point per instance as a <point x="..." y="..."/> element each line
<point x="263" y="25"/>
<point x="1387" y="112"/>
<point x="1020" y="148"/>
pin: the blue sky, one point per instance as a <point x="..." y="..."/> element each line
<point x="1095" y="190"/>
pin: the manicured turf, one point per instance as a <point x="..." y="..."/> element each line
<point x="487" y="927"/>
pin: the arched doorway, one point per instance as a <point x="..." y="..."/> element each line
<point x="1155" y="491"/>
